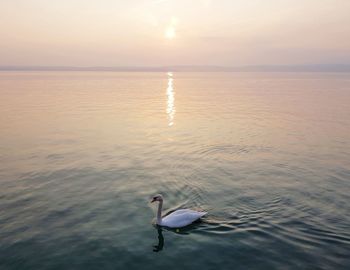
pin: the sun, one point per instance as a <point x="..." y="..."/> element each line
<point x="170" y="32"/>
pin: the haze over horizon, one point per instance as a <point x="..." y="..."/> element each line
<point x="170" y="33"/>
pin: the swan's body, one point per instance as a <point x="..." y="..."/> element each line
<point x="181" y="218"/>
<point x="177" y="219"/>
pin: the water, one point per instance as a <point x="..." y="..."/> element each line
<point x="266" y="154"/>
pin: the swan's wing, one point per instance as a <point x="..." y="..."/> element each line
<point x="181" y="218"/>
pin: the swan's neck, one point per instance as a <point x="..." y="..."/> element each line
<point x="159" y="213"/>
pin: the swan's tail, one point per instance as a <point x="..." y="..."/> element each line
<point x="202" y="214"/>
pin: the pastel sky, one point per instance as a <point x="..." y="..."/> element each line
<point x="174" y="32"/>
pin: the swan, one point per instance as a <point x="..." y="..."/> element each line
<point x="177" y="219"/>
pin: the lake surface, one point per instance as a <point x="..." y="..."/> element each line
<point x="266" y="154"/>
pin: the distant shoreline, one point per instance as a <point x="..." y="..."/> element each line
<point x="256" y="68"/>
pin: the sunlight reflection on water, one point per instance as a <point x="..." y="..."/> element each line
<point x="170" y="110"/>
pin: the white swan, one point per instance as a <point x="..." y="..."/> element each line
<point x="177" y="219"/>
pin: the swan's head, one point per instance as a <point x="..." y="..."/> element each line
<point x="157" y="198"/>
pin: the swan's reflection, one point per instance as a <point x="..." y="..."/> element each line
<point x="159" y="247"/>
<point x="186" y="230"/>
<point x="170" y="110"/>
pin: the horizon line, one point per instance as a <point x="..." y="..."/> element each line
<point x="187" y="68"/>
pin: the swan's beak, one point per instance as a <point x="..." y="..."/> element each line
<point x="153" y="200"/>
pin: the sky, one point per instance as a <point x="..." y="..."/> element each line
<point x="174" y="32"/>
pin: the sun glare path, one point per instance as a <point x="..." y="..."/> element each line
<point x="170" y="110"/>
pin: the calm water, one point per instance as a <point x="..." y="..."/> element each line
<point x="267" y="155"/>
